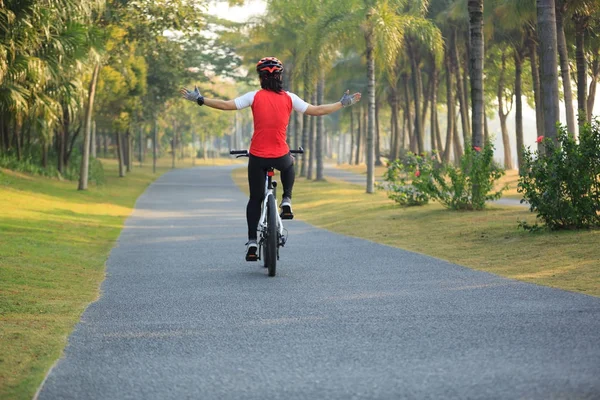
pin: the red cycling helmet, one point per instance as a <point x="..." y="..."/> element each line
<point x="270" y="65"/>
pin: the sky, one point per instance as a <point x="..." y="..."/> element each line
<point x="237" y="14"/>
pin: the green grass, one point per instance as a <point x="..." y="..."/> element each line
<point x="485" y="240"/>
<point x="54" y="244"/>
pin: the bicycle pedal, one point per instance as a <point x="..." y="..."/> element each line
<point x="252" y="254"/>
<point x="286" y="216"/>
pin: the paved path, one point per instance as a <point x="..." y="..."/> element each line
<point x="182" y="316"/>
<point x="361" y="179"/>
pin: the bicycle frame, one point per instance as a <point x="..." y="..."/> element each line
<point x="262" y="222"/>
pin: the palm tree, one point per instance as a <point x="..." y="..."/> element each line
<point x="383" y="26"/>
<point x="561" y="42"/>
<point x="85" y="159"/>
<point x="546" y="27"/>
<point x="476" y="52"/>
<point x="594" y="70"/>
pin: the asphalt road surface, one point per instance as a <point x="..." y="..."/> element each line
<point x="183" y="316"/>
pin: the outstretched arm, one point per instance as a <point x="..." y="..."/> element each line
<point x="220" y="104"/>
<point x="324" y="109"/>
<point x="196" y="97"/>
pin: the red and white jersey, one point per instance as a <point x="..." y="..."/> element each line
<point x="271" y="112"/>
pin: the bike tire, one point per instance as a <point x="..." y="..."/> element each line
<point x="272" y="239"/>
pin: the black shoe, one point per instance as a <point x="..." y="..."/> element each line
<point x="251" y="251"/>
<point x="286" y="209"/>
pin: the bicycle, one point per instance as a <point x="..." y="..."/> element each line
<point x="272" y="233"/>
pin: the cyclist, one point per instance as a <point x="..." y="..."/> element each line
<point x="271" y="109"/>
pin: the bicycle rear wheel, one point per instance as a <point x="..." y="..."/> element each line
<point x="270" y="252"/>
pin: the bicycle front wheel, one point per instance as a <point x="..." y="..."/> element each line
<point x="272" y="232"/>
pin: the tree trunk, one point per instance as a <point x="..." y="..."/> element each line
<point x="351" y="136"/>
<point x="28" y="138"/>
<point x="426" y="97"/>
<point x="363" y="135"/>
<point x="417" y="94"/>
<point x="535" y="74"/>
<point x="580" y="25"/>
<point x="127" y="148"/>
<point x="63" y="134"/>
<point x="173" y="150"/>
<point x="154" y="145"/>
<point x="519" y="107"/>
<point x="476" y="52"/>
<point x="45" y="154"/>
<point x="85" y="158"/>
<point x="141" y="146"/>
<point x="311" y="140"/>
<point x="546" y="28"/>
<point x="565" y="72"/>
<point x="105" y="145"/>
<point x="120" y="155"/>
<point x="403" y="133"/>
<point x="458" y="149"/>
<point x="72" y="145"/>
<point x="370" y="159"/>
<point x="16" y="140"/>
<point x="438" y="135"/>
<point x="594" y="73"/>
<point x="486" y="132"/>
<point x="394" y="131"/>
<point x="433" y="113"/>
<point x="358" y="135"/>
<point x="459" y="90"/>
<point x="450" y="108"/>
<point x="288" y="73"/>
<point x="305" y="129"/>
<point x="503" y="115"/>
<point x="203" y="143"/>
<point x="377" y="136"/>
<point x="407" y="114"/>
<point x="320" y="128"/>
<point x="93" y="140"/>
<point x="296" y="120"/>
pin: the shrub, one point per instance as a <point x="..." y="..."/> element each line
<point x="562" y="183"/>
<point x="27" y="165"/>
<point x="399" y="175"/>
<point x="464" y="187"/>
<point x="71" y="172"/>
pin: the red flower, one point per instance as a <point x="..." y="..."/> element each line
<point x="477" y="149"/>
<point x="417" y="173"/>
<point x="539" y="139"/>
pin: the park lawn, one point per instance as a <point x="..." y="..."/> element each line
<point x="54" y="242"/>
<point x="362" y="169"/>
<point x="486" y="240"/>
<point x="510" y="179"/>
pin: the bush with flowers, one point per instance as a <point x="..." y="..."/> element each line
<point x="404" y="181"/>
<point x="467" y="186"/>
<point x="562" y="182"/>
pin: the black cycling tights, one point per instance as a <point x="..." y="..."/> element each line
<point x="257" y="170"/>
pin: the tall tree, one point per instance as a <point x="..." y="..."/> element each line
<point x="476" y="53"/>
<point x="85" y="159"/>
<point x="565" y="69"/>
<point x="546" y="27"/>
<point x="383" y="32"/>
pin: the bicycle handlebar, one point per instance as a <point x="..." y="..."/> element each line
<point x="245" y="153"/>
